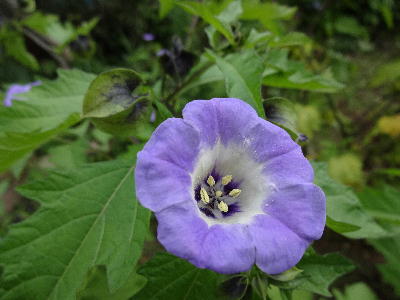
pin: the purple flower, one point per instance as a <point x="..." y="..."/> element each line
<point x="148" y="37"/>
<point x="16" y="89"/>
<point x="229" y="189"/>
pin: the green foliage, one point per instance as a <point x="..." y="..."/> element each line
<point x="97" y="286"/>
<point x="61" y="34"/>
<point x="89" y="216"/>
<point x="357" y="291"/>
<point x="48" y="105"/>
<point x="203" y="11"/>
<point x="343" y="206"/>
<point x="165" y="7"/>
<point x="268" y="13"/>
<point x="285" y="73"/>
<point x="170" y="277"/>
<point x="15" y="146"/>
<point x="321" y="271"/>
<point x="314" y="273"/>
<point x="382" y="203"/>
<point x="15" y="47"/>
<point x="85" y="240"/>
<point x="47" y="110"/>
<point x="389" y="247"/>
<point x="118" y="104"/>
<point x="387" y="73"/>
<point x="242" y="73"/>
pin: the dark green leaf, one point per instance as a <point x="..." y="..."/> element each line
<point x="243" y="72"/>
<point x="111" y="92"/>
<point x="320" y="271"/>
<point x="343" y="206"/>
<point x="389" y="247"/>
<point x="201" y="10"/>
<point x="355" y="291"/>
<point x="89" y="216"/>
<point x="14" y="45"/>
<point x="97" y="287"/>
<point x="15" y="146"/>
<point x="170" y="277"/>
<point x="48" y="105"/>
<point x="165" y="7"/>
<point x="118" y="104"/>
<point x="382" y="203"/>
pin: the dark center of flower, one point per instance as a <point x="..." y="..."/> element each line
<point x="218" y="196"/>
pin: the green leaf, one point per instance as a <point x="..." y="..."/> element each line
<point x="88" y="216"/>
<point x="343" y="206"/>
<point x="386" y="74"/>
<point x="231" y="13"/>
<point x="382" y="203"/>
<point x="118" y="104"/>
<point x="163" y="111"/>
<point x="320" y="271"/>
<point x="290" y="39"/>
<point x="165" y="7"/>
<point x="111" y="92"/>
<point x="302" y="80"/>
<point x="357" y="291"/>
<point x="70" y="155"/>
<point x="340" y="227"/>
<point x="15" y="146"/>
<point x="14" y="45"/>
<point x="47" y="110"/>
<point x="243" y="72"/>
<point x="212" y="74"/>
<point x="48" y="105"/>
<point x="170" y="277"/>
<point x="267" y="13"/>
<point x="96" y="288"/>
<point x="201" y="10"/>
<point x="389" y="247"/>
<point x="61" y="34"/>
<point x="257" y="38"/>
<point x="350" y="26"/>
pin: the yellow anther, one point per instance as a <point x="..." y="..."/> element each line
<point x="222" y="206"/>
<point x="211" y="181"/>
<point x="235" y="192"/>
<point x="226" y="179"/>
<point x="204" y="196"/>
<point x="218" y="193"/>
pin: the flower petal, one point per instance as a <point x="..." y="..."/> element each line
<point x="226" y="119"/>
<point x="278" y="248"/>
<point x="228" y="249"/>
<point x="174" y="141"/>
<point x="160" y="183"/>
<point x="301" y="208"/>
<point x="267" y="141"/>
<point x="181" y="231"/>
<point x="289" y="169"/>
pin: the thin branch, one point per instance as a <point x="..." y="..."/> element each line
<point x="47" y="45"/>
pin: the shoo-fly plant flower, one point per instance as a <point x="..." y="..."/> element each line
<point x="229" y="189"/>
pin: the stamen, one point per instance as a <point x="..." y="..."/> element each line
<point x="204" y="196"/>
<point x="235" y="192"/>
<point x="222" y="206"/>
<point x="226" y="179"/>
<point x="211" y="181"/>
<point x="218" y="193"/>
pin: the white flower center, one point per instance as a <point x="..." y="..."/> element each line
<point x="228" y="185"/>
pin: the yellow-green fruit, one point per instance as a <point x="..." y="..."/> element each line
<point x="346" y="169"/>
